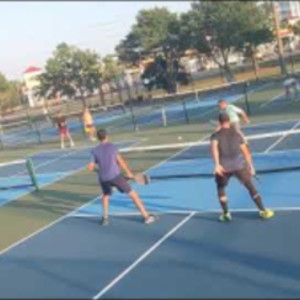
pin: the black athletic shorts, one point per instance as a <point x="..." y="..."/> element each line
<point x="118" y="182"/>
<point x="243" y="175"/>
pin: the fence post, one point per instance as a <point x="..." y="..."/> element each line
<point x="1" y="142"/>
<point x="133" y="116"/>
<point x="1" y="136"/>
<point x="34" y="127"/>
<point x="246" y="98"/>
<point x="197" y="96"/>
<point x="164" y="116"/>
<point x="37" y="132"/>
<point x="80" y="119"/>
<point x="186" y="114"/>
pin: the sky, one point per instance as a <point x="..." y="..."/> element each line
<point x="30" y="31"/>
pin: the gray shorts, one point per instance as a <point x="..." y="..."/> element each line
<point x="118" y="182"/>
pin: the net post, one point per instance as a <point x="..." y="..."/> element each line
<point x="32" y="174"/>
<point x="246" y="85"/>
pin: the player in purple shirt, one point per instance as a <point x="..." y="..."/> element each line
<point x="108" y="162"/>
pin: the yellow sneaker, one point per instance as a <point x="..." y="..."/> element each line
<point x="225" y="217"/>
<point x="266" y="214"/>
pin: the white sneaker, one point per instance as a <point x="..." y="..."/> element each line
<point x="104" y="221"/>
<point x="151" y="219"/>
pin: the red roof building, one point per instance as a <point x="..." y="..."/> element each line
<point x="32" y="70"/>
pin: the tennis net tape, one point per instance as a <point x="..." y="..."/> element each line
<point x="193" y="159"/>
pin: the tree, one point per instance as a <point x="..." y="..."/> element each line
<point x="112" y="72"/>
<point x="155" y="74"/>
<point x="4" y="85"/>
<point x="258" y="30"/>
<point x="296" y="28"/>
<point x="156" y="30"/>
<point x="71" y="71"/>
<point x="252" y="40"/>
<point x="9" y="93"/>
<point x="219" y="28"/>
<point x="128" y="49"/>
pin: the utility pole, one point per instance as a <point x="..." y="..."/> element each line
<point x="279" y="41"/>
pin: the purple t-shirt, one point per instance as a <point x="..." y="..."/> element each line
<point x="105" y="156"/>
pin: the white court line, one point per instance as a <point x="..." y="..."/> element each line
<point x="261" y="124"/>
<point x="135" y="213"/>
<point x="271" y="100"/>
<point x="143" y="256"/>
<point x="185" y="212"/>
<point x="271" y="147"/>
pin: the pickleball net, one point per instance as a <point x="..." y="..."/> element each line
<point x="272" y="152"/>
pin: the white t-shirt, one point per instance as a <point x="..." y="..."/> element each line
<point x="289" y="82"/>
<point x="233" y="112"/>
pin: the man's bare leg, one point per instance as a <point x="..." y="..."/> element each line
<point x="62" y="142"/>
<point x="139" y="203"/>
<point x="105" y="206"/>
<point x="72" y="144"/>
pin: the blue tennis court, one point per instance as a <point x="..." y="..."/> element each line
<point x="188" y="253"/>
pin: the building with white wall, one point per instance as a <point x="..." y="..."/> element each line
<point x="31" y="83"/>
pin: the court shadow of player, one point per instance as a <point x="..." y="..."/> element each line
<point x="52" y="202"/>
<point x="122" y="201"/>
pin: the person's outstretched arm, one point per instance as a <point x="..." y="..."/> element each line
<point x="242" y="113"/>
<point x="245" y="117"/>
<point x="92" y="166"/>
<point x="124" y="166"/>
<point x="248" y="157"/>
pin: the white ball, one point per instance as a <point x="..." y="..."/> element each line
<point x="179" y="138"/>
